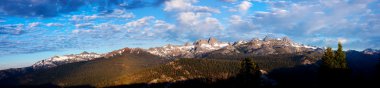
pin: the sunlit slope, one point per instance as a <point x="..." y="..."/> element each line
<point x="94" y="72"/>
<point x="184" y="69"/>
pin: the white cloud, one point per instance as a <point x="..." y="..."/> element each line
<point x="107" y="26"/>
<point x="116" y="14"/>
<point x="14" y="29"/>
<point x="192" y="21"/>
<point x="191" y="18"/>
<point x="54" y="24"/>
<point x="244" y="5"/>
<point x="328" y="41"/>
<point x="232" y="10"/>
<point x="147" y="27"/>
<point x="212" y="24"/>
<point x="77" y="31"/>
<point x="152" y="28"/>
<point x="331" y="19"/>
<point x="197" y="25"/>
<point x="235" y="19"/>
<point x="186" y="5"/>
<point x="241" y="27"/>
<point x="83" y="17"/>
<point x="229" y="0"/>
<point x="343" y="40"/>
<point x="140" y="22"/>
<point x="159" y="24"/>
<point x="34" y="24"/>
<point x="181" y="5"/>
<point x="84" y="25"/>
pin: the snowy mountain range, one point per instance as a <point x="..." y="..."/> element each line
<point x="202" y="48"/>
<point x="371" y="51"/>
<point x="199" y="49"/>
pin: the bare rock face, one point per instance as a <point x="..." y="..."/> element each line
<point x="200" y="42"/>
<point x="286" y="39"/>
<point x="212" y="41"/>
<point x="267" y="38"/>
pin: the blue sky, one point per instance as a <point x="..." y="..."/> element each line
<point x="32" y="30"/>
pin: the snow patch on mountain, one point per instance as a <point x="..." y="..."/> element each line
<point x="370" y="51"/>
<point x="302" y="45"/>
<point x="65" y="59"/>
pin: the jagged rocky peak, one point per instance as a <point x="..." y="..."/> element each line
<point x="188" y="50"/>
<point x="286" y="39"/>
<point x="200" y="42"/>
<point x="212" y="40"/>
<point x="200" y="48"/>
<point x="267" y="38"/>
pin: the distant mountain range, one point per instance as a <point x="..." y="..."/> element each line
<point x="118" y="65"/>
<point x="199" y="49"/>
<point x="203" y="48"/>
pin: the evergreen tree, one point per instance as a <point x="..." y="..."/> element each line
<point x="249" y="67"/>
<point x="328" y="58"/>
<point x="249" y="72"/>
<point x="340" y="57"/>
<point x="334" y="61"/>
<point x="334" y="70"/>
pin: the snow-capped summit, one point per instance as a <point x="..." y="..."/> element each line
<point x="239" y="42"/>
<point x="188" y="50"/>
<point x="371" y="51"/>
<point x="65" y="59"/>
